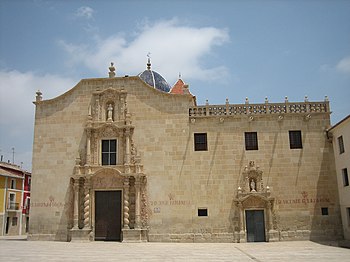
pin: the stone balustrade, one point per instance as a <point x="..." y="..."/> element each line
<point x="266" y="108"/>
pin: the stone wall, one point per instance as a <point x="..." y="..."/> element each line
<point x="181" y="180"/>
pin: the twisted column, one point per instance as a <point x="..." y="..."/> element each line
<point x="87" y="203"/>
<point x="126" y="202"/>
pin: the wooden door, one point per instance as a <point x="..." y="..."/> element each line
<point x="108" y="215"/>
<point x="255" y="225"/>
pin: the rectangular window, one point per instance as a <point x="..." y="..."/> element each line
<point x="12" y="201"/>
<point x="341" y="145"/>
<point x="348" y="214"/>
<point x="324" y="211"/>
<point x="251" y="141"/>
<point x="295" y="139"/>
<point x="109" y="152"/>
<point x="202" y="212"/>
<point x="14" y="221"/>
<point x="13" y="184"/>
<point x="29" y="183"/>
<point x="200" y="142"/>
<point x="345" y="177"/>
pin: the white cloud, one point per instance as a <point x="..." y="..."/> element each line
<point x="17" y="91"/>
<point x="85" y="12"/>
<point x="344" y="65"/>
<point x="175" y="48"/>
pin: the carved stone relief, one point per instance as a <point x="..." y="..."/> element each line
<point x="108" y="179"/>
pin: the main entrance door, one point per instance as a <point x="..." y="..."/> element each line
<point x="255" y="225"/>
<point x="108" y="215"/>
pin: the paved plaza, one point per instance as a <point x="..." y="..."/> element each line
<point x="22" y="250"/>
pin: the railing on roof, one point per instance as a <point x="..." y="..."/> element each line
<point x="266" y="108"/>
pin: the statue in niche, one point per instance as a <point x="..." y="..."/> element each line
<point x="252" y="186"/>
<point x="110" y="113"/>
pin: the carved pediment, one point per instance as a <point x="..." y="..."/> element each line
<point x="254" y="202"/>
<point x="107" y="178"/>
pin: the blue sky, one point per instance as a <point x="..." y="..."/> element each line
<point x="223" y="49"/>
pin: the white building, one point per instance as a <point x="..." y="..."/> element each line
<point x="340" y="133"/>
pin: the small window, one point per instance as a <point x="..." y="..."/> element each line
<point x="251" y="141"/>
<point x="109" y="152"/>
<point x="348" y="214"/>
<point x="341" y="145"/>
<point x="13" y="184"/>
<point x="295" y="139"/>
<point x="345" y="177"/>
<point x="200" y="142"/>
<point x="324" y="211"/>
<point x="202" y="212"/>
<point x="29" y="182"/>
<point x="14" y="221"/>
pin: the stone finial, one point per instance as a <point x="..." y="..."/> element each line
<point x="246" y="100"/>
<point x="111" y="70"/>
<point x="227" y="102"/>
<point x="306" y="99"/>
<point x="38" y="96"/>
<point x="326" y="99"/>
<point x="286" y="99"/>
<point x="268" y="189"/>
<point x="266" y="100"/>
<point x="207" y="102"/>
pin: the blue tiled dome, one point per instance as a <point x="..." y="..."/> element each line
<point x="154" y="79"/>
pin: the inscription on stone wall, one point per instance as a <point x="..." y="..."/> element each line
<point x="171" y="201"/>
<point x="305" y="199"/>
<point x="49" y="204"/>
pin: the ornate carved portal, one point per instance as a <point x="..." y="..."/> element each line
<point x="253" y="196"/>
<point x="108" y="119"/>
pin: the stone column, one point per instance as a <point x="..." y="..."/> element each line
<point x="269" y="212"/>
<point x="88" y="147"/>
<point x="126" y="202"/>
<point x="87" y="203"/>
<point x="76" y="204"/>
<point x="241" y="217"/>
<point x="127" y="147"/>
<point x="242" y="235"/>
<point x="137" y="202"/>
<point x="127" y="151"/>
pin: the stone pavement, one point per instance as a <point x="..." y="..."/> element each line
<point x="21" y="250"/>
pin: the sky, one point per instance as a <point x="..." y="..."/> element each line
<point x="222" y="49"/>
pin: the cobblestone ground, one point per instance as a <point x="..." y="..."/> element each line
<point x="21" y="250"/>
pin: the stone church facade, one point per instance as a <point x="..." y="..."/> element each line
<point x="132" y="159"/>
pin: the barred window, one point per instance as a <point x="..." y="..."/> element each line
<point x="295" y="141"/>
<point x="251" y="141"/>
<point x="200" y="142"/>
<point x="341" y="145"/>
<point x="345" y="177"/>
